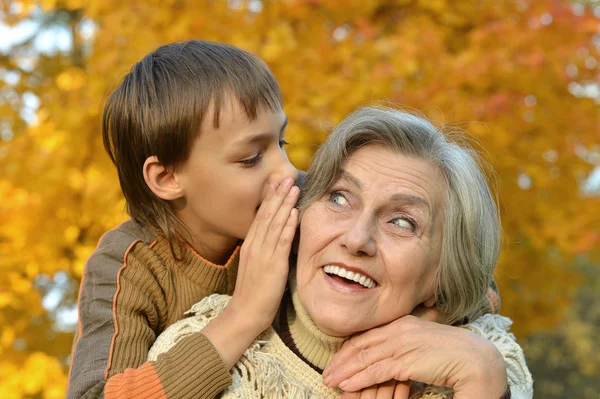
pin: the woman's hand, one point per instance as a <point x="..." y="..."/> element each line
<point x="410" y="349"/>
<point x="262" y="275"/>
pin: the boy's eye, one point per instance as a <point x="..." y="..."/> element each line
<point x="252" y="161"/>
<point x="282" y="143"/>
<point x="337" y="198"/>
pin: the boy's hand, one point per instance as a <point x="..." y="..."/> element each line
<point x="264" y="258"/>
<point x="262" y="275"/>
<point x="388" y="390"/>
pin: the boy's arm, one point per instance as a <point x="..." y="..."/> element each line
<point x="120" y="308"/>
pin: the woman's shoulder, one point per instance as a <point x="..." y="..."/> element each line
<point x="267" y="369"/>
<point x="491" y="324"/>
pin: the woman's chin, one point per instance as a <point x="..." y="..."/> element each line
<point x="337" y="322"/>
<point x="334" y="330"/>
<point x="337" y="311"/>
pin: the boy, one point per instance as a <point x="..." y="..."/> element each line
<point x="196" y="131"/>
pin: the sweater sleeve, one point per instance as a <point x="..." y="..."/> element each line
<point x="121" y="310"/>
<point x="494" y="328"/>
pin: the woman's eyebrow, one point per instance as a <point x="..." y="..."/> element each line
<point x="419" y="203"/>
<point x="406" y="198"/>
<point x="411" y="199"/>
<point x="347" y="176"/>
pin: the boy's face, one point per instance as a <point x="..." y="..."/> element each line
<point x="226" y="176"/>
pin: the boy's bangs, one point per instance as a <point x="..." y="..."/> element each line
<point x="252" y="97"/>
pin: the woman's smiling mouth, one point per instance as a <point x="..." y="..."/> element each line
<point x="352" y="279"/>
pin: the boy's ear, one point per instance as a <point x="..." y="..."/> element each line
<point x="161" y="180"/>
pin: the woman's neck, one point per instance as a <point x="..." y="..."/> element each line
<point x="302" y="336"/>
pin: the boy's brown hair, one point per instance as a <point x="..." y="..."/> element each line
<point x="159" y="106"/>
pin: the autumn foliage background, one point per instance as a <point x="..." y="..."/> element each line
<point x="521" y="77"/>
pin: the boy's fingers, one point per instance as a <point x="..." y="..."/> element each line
<point x="385" y="390"/>
<point x="286" y="238"/>
<point x="268" y="210"/>
<point x="402" y="390"/>
<point x="252" y="232"/>
<point x="369" y="393"/>
<point x="281" y="221"/>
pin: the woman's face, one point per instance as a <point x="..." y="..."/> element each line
<point x="381" y="222"/>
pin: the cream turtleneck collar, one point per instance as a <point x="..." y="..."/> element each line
<point x="302" y="336"/>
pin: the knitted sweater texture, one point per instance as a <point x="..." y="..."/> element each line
<point x="270" y="369"/>
<point x="131" y="291"/>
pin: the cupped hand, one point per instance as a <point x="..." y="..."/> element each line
<point x="411" y="349"/>
<point x="264" y="258"/>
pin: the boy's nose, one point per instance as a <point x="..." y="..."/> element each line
<point x="284" y="170"/>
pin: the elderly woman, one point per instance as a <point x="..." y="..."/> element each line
<point x="393" y="216"/>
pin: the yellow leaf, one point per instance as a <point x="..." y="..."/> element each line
<point x="47" y="5"/>
<point x="8" y="336"/>
<point x="71" y="79"/>
<point x="72" y="233"/>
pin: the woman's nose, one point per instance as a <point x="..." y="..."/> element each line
<point x="359" y="239"/>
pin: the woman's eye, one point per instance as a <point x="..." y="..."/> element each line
<point x="404" y="223"/>
<point x="282" y="143"/>
<point x="252" y="161"/>
<point x="338" y="199"/>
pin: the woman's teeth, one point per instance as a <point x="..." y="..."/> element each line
<point x="348" y="275"/>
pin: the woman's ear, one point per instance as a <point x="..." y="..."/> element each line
<point x="433" y="299"/>
<point x="161" y="180"/>
<point x="430" y="302"/>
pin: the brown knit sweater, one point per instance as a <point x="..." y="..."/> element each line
<point x="131" y="291"/>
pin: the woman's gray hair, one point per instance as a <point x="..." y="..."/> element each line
<point x="471" y="225"/>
